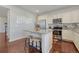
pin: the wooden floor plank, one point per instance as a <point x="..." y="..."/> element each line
<point x="58" y="47"/>
<point x="64" y="47"/>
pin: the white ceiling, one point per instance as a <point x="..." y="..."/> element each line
<point x="42" y="8"/>
<point x="3" y="11"/>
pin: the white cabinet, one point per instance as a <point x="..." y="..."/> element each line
<point x="66" y="17"/>
<point x="75" y="16"/>
<point x="67" y="35"/>
<point x="42" y="18"/>
<point x="76" y="40"/>
<point x="50" y="21"/>
<point x="55" y="16"/>
<point x="71" y="36"/>
<point x="70" y="17"/>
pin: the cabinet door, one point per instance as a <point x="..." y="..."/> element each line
<point x="49" y="19"/>
<point x="67" y="35"/>
<point x="55" y="16"/>
<point x="66" y="17"/>
<point x="75" y="16"/>
<point x="76" y="40"/>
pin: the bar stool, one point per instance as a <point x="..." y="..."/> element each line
<point x="33" y="44"/>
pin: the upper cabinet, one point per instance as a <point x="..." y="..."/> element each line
<point x="75" y="16"/>
<point x="66" y="17"/>
<point x="55" y="16"/>
<point x="70" y="17"/>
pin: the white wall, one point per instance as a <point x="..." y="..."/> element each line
<point x="18" y="20"/>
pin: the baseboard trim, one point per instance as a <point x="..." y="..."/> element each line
<point x="65" y="40"/>
<point x="17" y="38"/>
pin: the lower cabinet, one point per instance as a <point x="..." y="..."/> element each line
<point x="67" y="35"/>
<point x="71" y="36"/>
<point x="76" y="40"/>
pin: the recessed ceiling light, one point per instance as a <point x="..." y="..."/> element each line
<point x="37" y="11"/>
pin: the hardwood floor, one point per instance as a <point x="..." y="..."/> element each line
<point x="3" y="43"/>
<point x="58" y="47"/>
<point x="64" y="47"/>
<point x="18" y="46"/>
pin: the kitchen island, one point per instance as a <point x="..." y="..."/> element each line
<point x="45" y="38"/>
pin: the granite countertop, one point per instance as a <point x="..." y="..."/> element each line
<point x="40" y="31"/>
